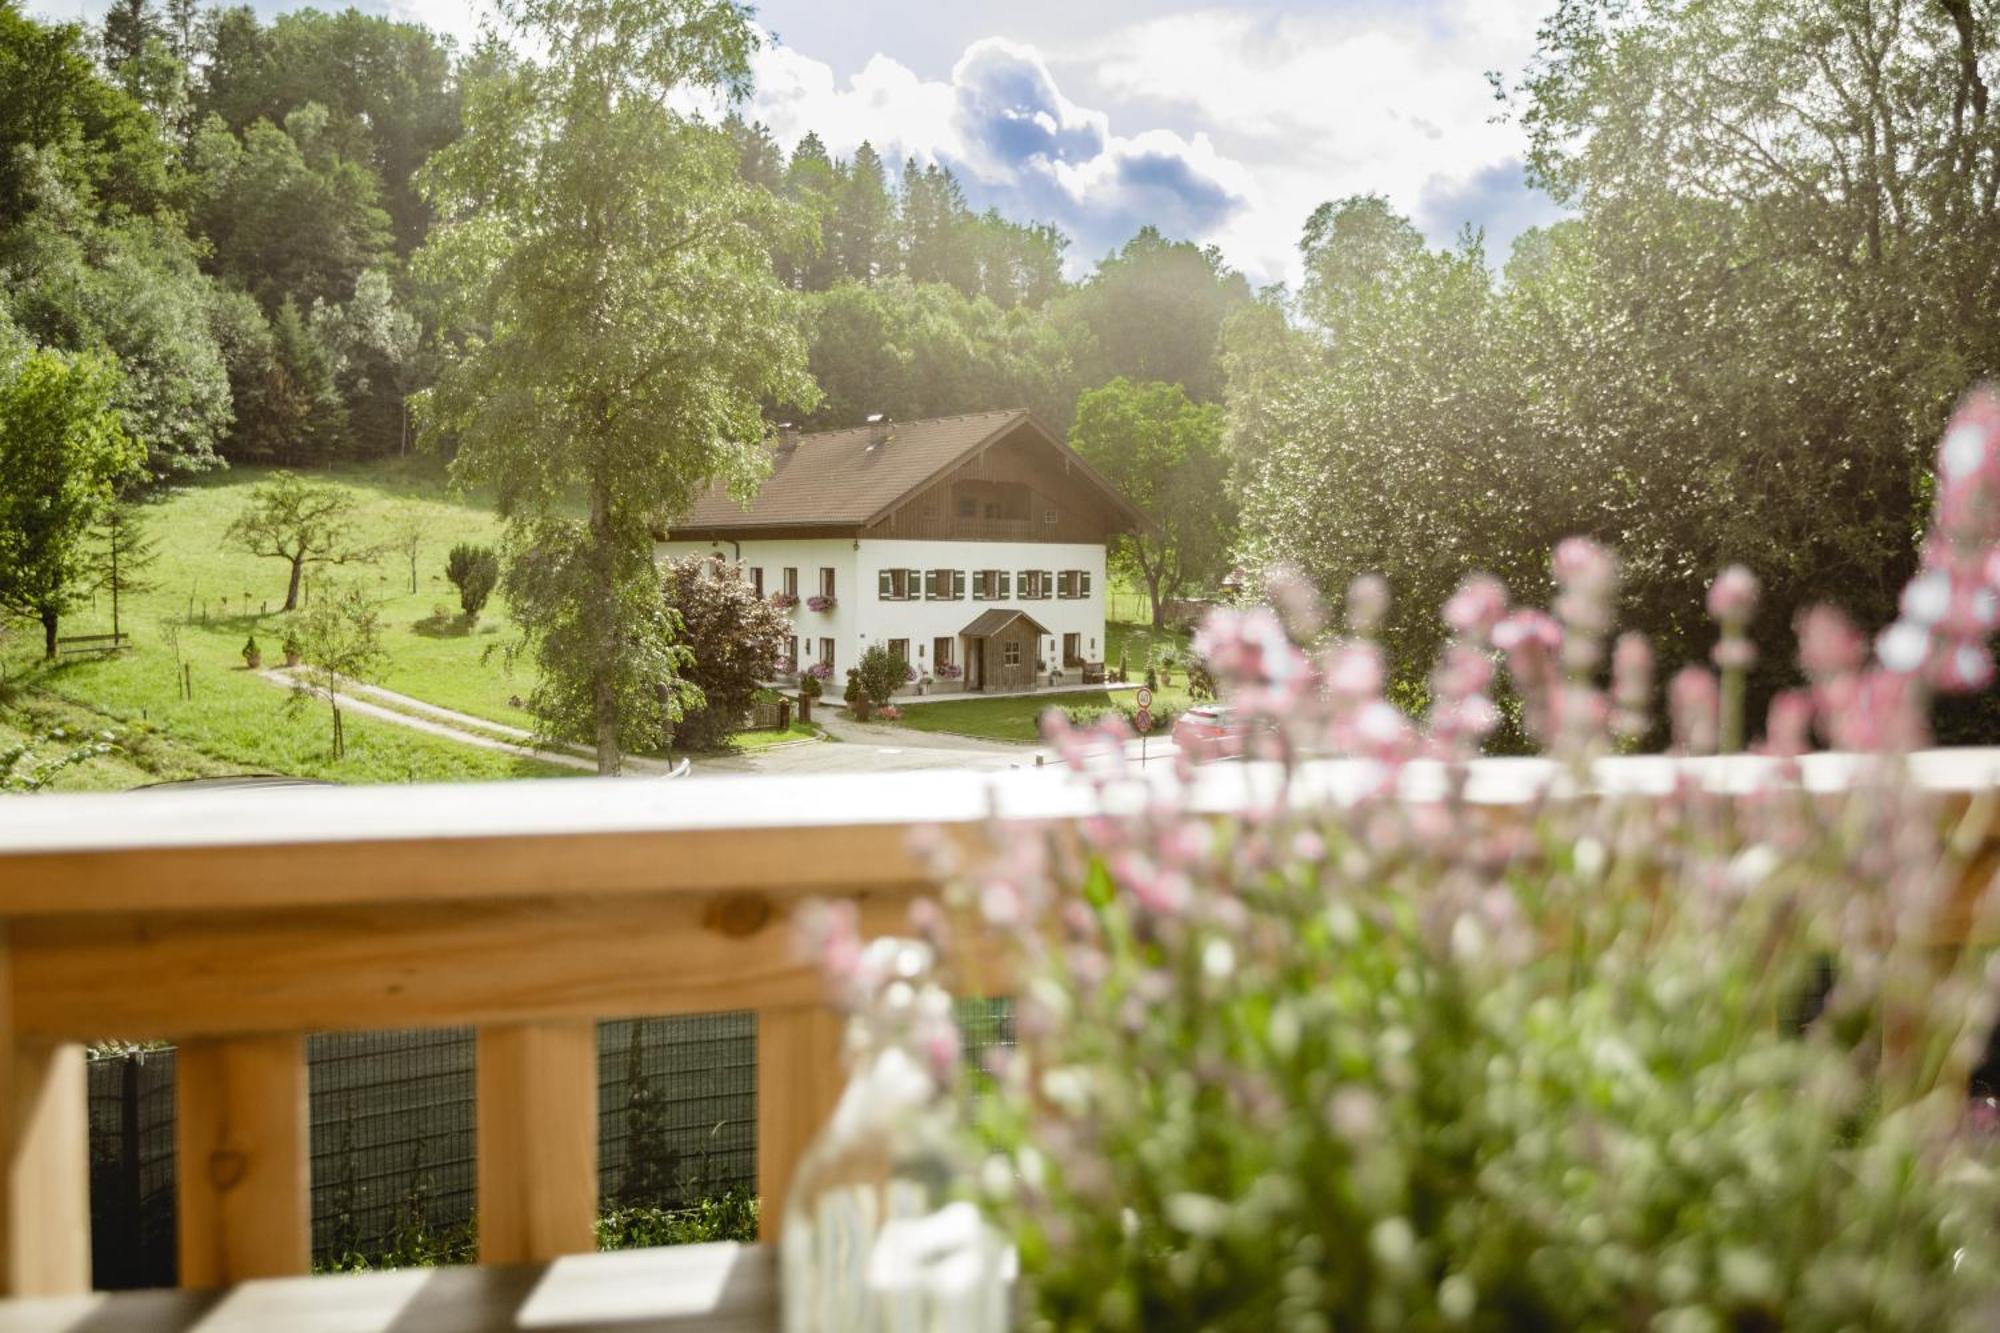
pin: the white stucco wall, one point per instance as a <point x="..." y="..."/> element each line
<point x="921" y="621"/>
<point x="862" y="618"/>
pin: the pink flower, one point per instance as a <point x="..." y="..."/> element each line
<point x="1367" y="603"/>
<point x="1476" y="607"/>
<point x="1296" y="600"/>
<point x="1828" y="642"/>
<point x="1732" y="598"/>
<point x="1788" y="729"/>
<point x="1582" y="563"/>
<point x="1354" y="671"/>
<point x="1632" y="671"/>
<point x="1734" y="653"/>
<point x="1694" y="702"/>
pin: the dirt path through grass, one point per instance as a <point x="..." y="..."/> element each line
<point x="404" y="711"/>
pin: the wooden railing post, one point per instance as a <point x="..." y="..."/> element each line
<point x="245" y="1159"/>
<point x="799" y="1079"/>
<point x="47" y="1202"/>
<point x="537" y="1136"/>
<point x="44" y="1158"/>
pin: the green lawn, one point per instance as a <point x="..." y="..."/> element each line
<point x="764" y="740"/>
<point x="1020" y="718"/>
<point x="236" y="722"/>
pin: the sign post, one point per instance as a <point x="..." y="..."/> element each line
<point x="1143" y="720"/>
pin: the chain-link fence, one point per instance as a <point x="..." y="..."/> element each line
<point x="392" y="1133"/>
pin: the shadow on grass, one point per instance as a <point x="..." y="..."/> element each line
<point x="434" y="626"/>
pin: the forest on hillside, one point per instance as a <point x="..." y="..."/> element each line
<point x="1780" y="266"/>
<point x="229" y="207"/>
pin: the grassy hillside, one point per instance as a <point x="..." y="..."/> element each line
<point x="218" y="598"/>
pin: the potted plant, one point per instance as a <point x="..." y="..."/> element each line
<point x="859" y="706"/>
<point x="253" y="656"/>
<point x="810" y="689"/>
<point x="924" y="684"/>
<point x="295" y="650"/>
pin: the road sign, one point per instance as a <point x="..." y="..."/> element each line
<point x="1144" y="698"/>
<point x="1143" y="720"/>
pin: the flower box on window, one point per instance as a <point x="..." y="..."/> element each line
<point x="820" y="671"/>
<point x="821" y="602"/>
<point x="784" y="601"/>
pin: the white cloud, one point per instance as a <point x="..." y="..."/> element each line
<point x="1292" y="110"/>
<point x="1012" y="137"/>
<point x="1317" y="106"/>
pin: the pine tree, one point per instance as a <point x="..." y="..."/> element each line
<point x="309" y="416"/>
<point x="124" y="553"/>
<point x="128" y="26"/>
<point x="864" y="219"/>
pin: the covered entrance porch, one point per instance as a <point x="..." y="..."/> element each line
<point x="1001" y="650"/>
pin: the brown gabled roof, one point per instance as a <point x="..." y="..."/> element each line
<point x="843" y="479"/>
<point x="988" y="623"/>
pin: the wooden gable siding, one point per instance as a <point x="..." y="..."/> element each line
<point x="1082" y="514"/>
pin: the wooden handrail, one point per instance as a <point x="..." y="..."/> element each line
<point x="235" y="921"/>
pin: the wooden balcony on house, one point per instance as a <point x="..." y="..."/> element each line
<point x="235" y="922"/>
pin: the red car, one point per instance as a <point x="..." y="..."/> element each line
<point x="1209" y="731"/>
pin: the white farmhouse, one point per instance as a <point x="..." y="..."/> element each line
<point x="973" y="546"/>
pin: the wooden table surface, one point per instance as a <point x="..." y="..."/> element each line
<point x="722" y="1288"/>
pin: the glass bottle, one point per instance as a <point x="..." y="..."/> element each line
<point x="874" y="1239"/>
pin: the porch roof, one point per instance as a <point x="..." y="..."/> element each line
<point x="988" y="623"/>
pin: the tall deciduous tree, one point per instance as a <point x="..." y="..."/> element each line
<point x="62" y="453"/>
<point x="1165" y="453"/>
<point x="630" y="327"/>
<point x="300" y="522"/>
<point x="1155" y="311"/>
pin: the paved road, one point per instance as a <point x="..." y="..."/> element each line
<point x="856" y="747"/>
<point x="863" y="747"/>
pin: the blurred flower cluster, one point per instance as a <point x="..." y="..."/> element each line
<point x="1646" y="1044"/>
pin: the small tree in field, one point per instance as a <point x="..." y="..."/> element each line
<point x="736" y="637"/>
<point x="300" y="522"/>
<point x="341" y="637"/>
<point x="408" y="526"/>
<point x="473" y="570"/>
<point x="124" y="553"/>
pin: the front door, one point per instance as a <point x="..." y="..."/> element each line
<point x="975" y="664"/>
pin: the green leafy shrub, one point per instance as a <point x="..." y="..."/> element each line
<point x="881" y="673"/>
<point x="728" y="1216"/>
<point x="474" y="571"/>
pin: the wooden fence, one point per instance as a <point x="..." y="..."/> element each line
<point x="235" y="922"/>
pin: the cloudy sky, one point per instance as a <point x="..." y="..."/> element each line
<point x="1224" y="122"/>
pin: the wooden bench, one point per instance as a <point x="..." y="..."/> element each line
<point x="91" y="645"/>
<point x="1093" y="673"/>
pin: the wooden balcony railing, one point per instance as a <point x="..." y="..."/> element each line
<point x="233" y="922"/>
